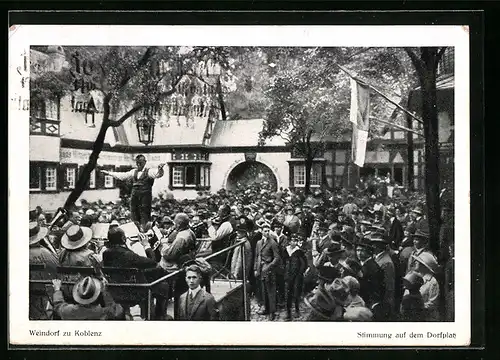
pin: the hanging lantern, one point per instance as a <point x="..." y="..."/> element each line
<point x="145" y="129"/>
<point x="90" y="111"/>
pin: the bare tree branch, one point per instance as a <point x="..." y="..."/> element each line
<point x="141" y="63"/>
<point x="139" y="106"/>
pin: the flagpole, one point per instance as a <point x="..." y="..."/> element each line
<point x="381" y="94"/>
<point x="397" y="126"/>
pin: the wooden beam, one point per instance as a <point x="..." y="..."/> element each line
<point x="397" y="126"/>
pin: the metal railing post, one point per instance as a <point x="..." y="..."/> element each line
<point x="149" y="304"/>
<point x="243" y="263"/>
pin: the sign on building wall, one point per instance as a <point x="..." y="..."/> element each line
<point x="78" y="156"/>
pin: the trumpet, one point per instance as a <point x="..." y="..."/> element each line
<point x="150" y="235"/>
<point x="204" y="222"/>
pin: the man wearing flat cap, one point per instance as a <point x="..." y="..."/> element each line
<point x="384" y="261"/>
<point x="371" y="277"/>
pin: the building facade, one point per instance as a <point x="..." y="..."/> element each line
<point x="202" y="152"/>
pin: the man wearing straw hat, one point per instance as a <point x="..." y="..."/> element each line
<point x="75" y="250"/>
<point x="39" y="254"/>
<point x="93" y="302"/>
<point x="427" y="266"/>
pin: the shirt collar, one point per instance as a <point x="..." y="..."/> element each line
<point x="427" y="277"/>
<point x="290" y="250"/>
<point x="194" y="292"/>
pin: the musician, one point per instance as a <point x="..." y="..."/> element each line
<point x="75" y="243"/>
<point x="142" y="183"/>
<point x="118" y="254"/>
<point x="183" y="246"/>
<point x="220" y="229"/>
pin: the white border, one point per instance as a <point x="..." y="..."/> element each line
<point x="232" y="333"/>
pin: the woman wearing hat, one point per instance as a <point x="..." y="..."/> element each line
<point x="93" y="302"/>
<point x="75" y="250"/>
<point x="427" y="266"/>
<point x="295" y="262"/>
<point x="292" y="221"/>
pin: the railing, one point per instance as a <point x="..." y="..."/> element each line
<point x="171" y="276"/>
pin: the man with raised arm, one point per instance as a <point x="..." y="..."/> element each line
<point x="142" y="183"/>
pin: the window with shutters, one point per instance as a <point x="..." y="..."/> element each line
<point x="189" y="175"/>
<point x="51" y="178"/>
<point x="178" y="176"/>
<point x="108" y="181"/>
<point x="299" y="174"/>
<point x="70" y="177"/>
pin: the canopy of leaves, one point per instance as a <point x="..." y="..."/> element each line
<point x="129" y="77"/>
<point x="308" y="92"/>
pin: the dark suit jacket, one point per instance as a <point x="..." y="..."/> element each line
<point x="267" y="257"/>
<point x="295" y="264"/>
<point x="203" y="307"/>
<point x="118" y="256"/>
<point x="395" y="232"/>
<point x="371" y="283"/>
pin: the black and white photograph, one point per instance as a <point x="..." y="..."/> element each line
<point x="255" y="182"/>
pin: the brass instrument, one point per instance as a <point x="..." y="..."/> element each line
<point x="204" y="222"/>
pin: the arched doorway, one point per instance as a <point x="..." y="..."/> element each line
<point x="251" y="172"/>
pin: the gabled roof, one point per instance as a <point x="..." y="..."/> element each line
<point x="234" y="133"/>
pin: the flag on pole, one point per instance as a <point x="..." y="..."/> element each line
<point x="360" y="118"/>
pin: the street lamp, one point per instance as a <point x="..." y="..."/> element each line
<point x="146" y="129"/>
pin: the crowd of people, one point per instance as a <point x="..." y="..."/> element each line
<point x="350" y="255"/>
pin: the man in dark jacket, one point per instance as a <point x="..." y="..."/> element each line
<point x="267" y="259"/>
<point x="118" y="255"/>
<point x="93" y="302"/>
<point x="196" y="304"/>
<point x="395" y="233"/>
<point x="371" y="279"/>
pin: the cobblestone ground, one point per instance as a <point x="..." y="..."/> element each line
<point x="280" y="313"/>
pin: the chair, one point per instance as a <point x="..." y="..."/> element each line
<point x="38" y="296"/>
<point x="224" y="269"/>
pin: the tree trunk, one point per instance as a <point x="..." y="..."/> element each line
<point x="84" y="176"/>
<point x="430" y="118"/>
<point x="409" y="139"/>
<point x="308" y="167"/>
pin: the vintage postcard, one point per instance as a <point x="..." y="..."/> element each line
<point x="270" y="185"/>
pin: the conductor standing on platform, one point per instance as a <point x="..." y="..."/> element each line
<point x="142" y="183"/>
